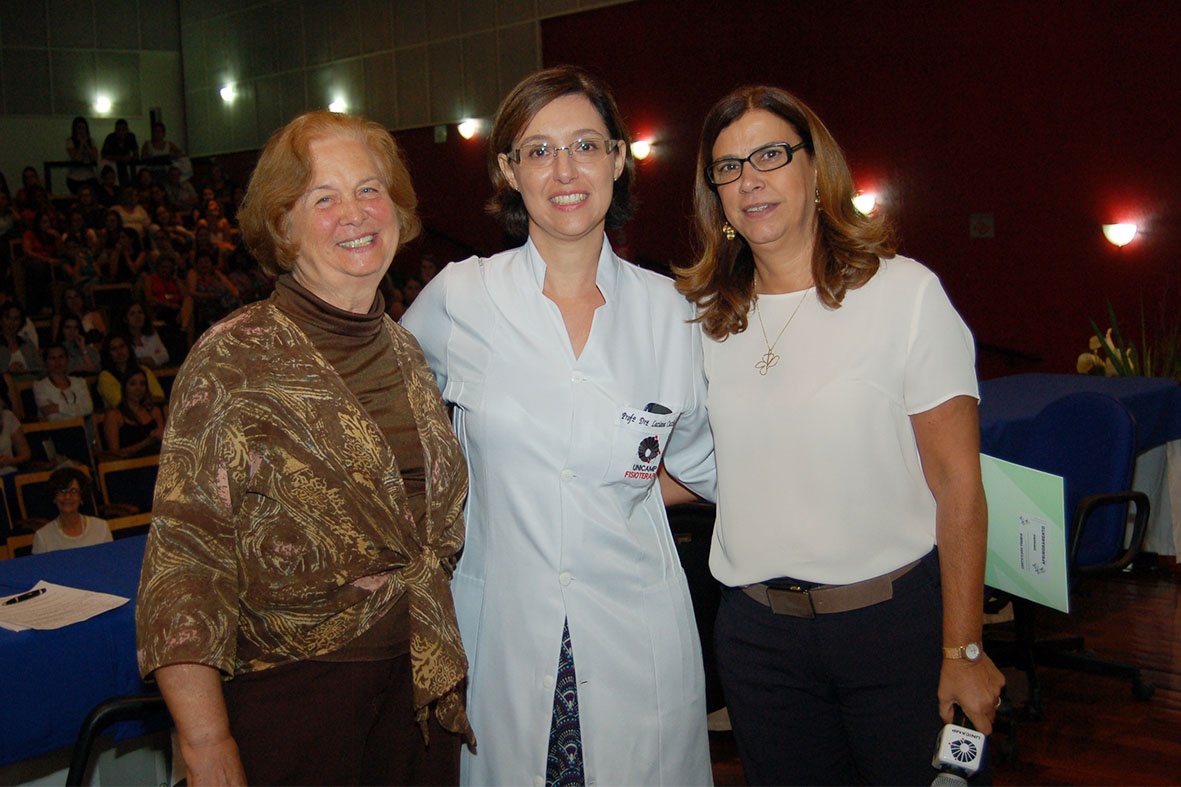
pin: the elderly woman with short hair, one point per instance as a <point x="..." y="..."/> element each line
<point x="295" y="605"/>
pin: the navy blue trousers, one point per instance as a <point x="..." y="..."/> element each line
<point x="846" y="698"/>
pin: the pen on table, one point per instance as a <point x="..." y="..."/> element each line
<point x="25" y="596"/>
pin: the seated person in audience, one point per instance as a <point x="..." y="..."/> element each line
<point x="168" y="227"/>
<point x="107" y="193"/>
<point x="143" y="187"/>
<point x="145" y="341"/>
<point x="80" y="246"/>
<point x="136" y="426"/>
<point x="122" y="265"/>
<point x="11" y="228"/>
<point x="42" y="248"/>
<point x="67" y="488"/>
<point x="221" y="233"/>
<point x="74" y="304"/>
<point x="131" y="212"/>
<point x="18" y="356"/>
<point x="243" y="270"/>
<point x="214" y="295"/>
<point x="181" y="194"/>
<point x="118" y="364"/>
<point x="59" y="394"/>
<point x="111" y="230"/>
<point x="30" y="183"/>
<point x="14" y="446"/>
<point x="79" y="233"/>
<point x="164" y="293"/>
<point x="29" y="332"/>
<point x="88" y="205"/>
<point x="82" y="357"/>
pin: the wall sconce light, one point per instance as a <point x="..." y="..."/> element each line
<point x="102" y="104"/>
<point x="864" y="202"/>
<point x="338" y="105"/>
<point x="641" y="149"/>
<point x="468" y="127"/>
<point x="1119" y="234"/>
<point x="228" y="94"/>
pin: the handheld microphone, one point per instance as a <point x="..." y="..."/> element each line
<point x="959" y="752"/>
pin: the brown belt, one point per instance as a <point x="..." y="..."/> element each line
<point x="827" y="599"/>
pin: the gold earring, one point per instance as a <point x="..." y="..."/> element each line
<point x="728" y="231"/>
<point x="818" y="195"/>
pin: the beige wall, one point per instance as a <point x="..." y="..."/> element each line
<point x="405" y="63"/>
<point x="55" y="55"/>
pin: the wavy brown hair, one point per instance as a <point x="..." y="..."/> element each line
<point x="284" y="173"/>
<point x="848" y="244"/>
<point x="517" y="111"/>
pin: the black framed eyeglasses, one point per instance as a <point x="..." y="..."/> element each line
<point x="765" y="159"/>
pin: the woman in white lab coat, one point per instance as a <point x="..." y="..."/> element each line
<point x="573" y="375"/>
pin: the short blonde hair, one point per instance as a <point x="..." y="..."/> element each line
<point x="284" y="172"/>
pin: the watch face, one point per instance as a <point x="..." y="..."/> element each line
<point x="971" y="651"/>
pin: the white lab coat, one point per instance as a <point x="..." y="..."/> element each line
<point x="565" y="520"/>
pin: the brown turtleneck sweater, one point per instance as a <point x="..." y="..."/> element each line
<point x="356" y="346"/>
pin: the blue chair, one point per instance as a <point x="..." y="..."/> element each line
<point x="1089" y="439"/>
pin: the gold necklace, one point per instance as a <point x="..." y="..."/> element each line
<point x="770" y="358"/>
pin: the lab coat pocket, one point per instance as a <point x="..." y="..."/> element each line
<point x="637" y="444"/>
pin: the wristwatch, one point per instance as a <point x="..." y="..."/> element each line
<point x="972" y="652"/>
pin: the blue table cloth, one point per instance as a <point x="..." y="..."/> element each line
<point x="50" y="680"/>
<point x="1009" y="404"/>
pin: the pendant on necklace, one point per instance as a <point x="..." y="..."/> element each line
<point x="769" y="360"/>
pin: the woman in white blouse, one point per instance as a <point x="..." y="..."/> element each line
<point x="573" y="375"/>
<point x="145" y="341"/>
<point x="68" y="487"/>
<point x="60" y="395"/>
<point x="842" y="394"/>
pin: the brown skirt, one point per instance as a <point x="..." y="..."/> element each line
<point x="346" y="723"/>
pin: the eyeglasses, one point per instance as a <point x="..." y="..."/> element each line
<point x="765" y="159"/>
<point x="587" y="150"/>
<point x="72" y="491"/>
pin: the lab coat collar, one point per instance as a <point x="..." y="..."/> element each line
<point x="606" y="277"/>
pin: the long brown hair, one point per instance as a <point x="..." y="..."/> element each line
<point x="848" y="243"/>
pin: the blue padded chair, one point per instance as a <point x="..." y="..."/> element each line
<point x="1089" y="439"/>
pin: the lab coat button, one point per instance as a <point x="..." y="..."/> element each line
<point x="567" y="474"/>
<point x="565" y="577"/>
<point x="548" y="681"/>
<point x="539" y="781"/>
<point x="578" y="377"/>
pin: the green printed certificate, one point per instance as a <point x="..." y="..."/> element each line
<point x="1026" y="533"/>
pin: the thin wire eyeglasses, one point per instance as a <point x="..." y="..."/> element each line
<point x="765" y="159"/>
<point x="587" y="150"/>
<point x="72" y="491"/>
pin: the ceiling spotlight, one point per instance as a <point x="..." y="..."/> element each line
<point x="228" y="94"/>
<point x="338" y="105"/>
<point x="102" y="104"/>
<point x="641" y="149"/>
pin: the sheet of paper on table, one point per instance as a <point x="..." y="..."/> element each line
<point x="58" y="606"/>
<point x="1026" y="533"/>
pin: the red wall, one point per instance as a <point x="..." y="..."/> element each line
<point x="1054" y="117"/>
